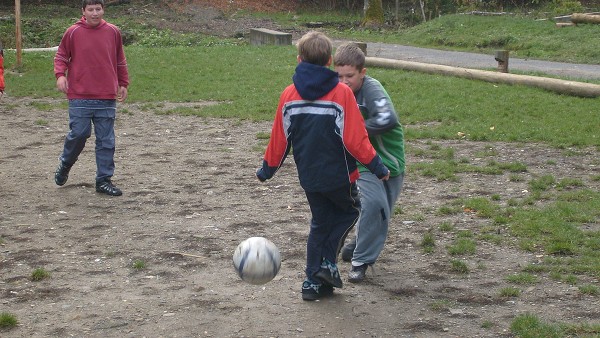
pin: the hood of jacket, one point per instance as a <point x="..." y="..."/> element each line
<point x="313" y="81"/>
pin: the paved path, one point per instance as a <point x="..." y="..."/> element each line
<point x="480" y="61"/>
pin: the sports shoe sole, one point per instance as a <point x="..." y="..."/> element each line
<point x="310" y="297"/>
<point x="110" y="190"/>
<point x="324" y="291"/>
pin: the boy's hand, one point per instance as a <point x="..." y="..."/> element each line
<point x="62" y="84"/>
<point x="122" y="94"/>
<point x="386" y="177"/>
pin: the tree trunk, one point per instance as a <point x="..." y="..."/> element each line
<point x="373" y="13"/>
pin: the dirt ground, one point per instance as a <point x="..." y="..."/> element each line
<point x="190" y="196"/>
<point x="218" y="18"/>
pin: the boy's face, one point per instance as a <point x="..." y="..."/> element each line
<point x="351" y="76"/>
<point x="93" y="14"/>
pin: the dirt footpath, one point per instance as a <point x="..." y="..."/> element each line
<point x="190" y="196"/>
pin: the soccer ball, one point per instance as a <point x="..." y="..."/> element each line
<point x="257" y="260"/>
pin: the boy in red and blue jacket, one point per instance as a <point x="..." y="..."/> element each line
<point x="318" y="116"/>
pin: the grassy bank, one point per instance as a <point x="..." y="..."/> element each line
<point x="524" y="36"/>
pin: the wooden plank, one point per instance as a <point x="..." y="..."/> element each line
<point x="585" y="18"/>
<point x="573" y="88"/>
<point x="564" y="24"/>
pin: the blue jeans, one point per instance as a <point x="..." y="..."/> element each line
<point x="82" y="113"/>
<point x="334" y="214"/>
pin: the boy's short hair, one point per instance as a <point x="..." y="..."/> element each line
<point x="349" y="54"/>
<point x="315" y="47"/>
<point x="85" y="3"/>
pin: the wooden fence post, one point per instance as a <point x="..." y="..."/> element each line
<point x="18" y="37"/>
<point x="502" y="58"/>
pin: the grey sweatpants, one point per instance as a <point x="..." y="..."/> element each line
<point x="377" y="198"/>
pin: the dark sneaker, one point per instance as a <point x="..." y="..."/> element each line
<point x="314" y="291"/>
<point x="329" y="274"/>
<point x="358" y="273"/>
<point x="62" y="173"/>
<point x="348" y="251"/>
<point x="106" y="187"/>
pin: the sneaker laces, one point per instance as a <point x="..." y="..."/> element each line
<point x="109" y="188"/>
<point x="107" y="185"/>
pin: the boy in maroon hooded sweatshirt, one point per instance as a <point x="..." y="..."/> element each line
<point x="91" y="69"/>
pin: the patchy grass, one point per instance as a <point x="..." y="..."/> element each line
<point x="462" y="246"/>
<point x="39" y="274"/>
<point x="589" y="289"/>
<point x="8" y="320"/>
<point x="428" y="242"/>
<point x="509" y="292"/>
<point x="459" y="266"/>
<point x="530" y="326"/>
<point x="522" y="278"/>
<point x="139" y="264"/>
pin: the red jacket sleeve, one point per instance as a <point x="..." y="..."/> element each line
<point x="355" y="135"/>
<point x="122" y="71"/>
<point x="63" y="56"/>
<point x="278" y="147"/>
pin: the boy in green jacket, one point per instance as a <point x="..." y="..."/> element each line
<point x="386" y="135"/>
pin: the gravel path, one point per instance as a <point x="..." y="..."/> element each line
<point x="480" y="61"/>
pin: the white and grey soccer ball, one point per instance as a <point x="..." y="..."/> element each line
<point x="257" y="260"/>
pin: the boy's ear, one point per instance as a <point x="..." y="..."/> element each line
<point x="329" y="62"/>
<point x="298" y="58"/>
<point x="363" y="71"/>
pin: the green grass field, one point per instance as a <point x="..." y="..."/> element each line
<point x="247" y="81"/>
